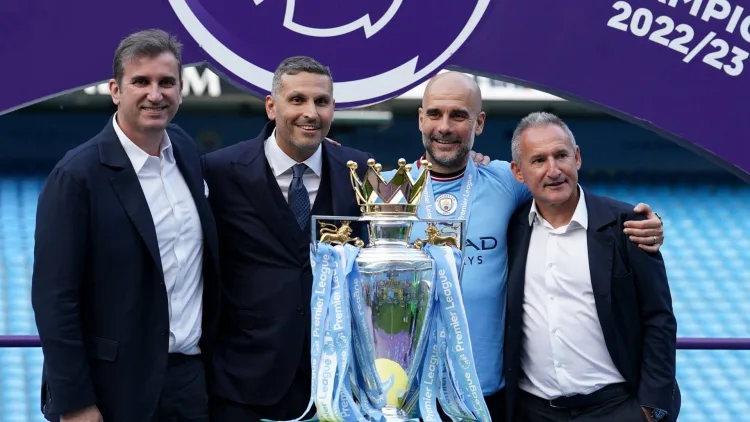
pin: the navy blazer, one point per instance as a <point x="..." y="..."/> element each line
<point x="98" y="288"/>
<point x="265" y="264"/>
<point x="632" y="298"/>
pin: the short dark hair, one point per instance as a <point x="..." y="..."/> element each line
<point x="295" y="65"/>
<point x="148" y="43"/>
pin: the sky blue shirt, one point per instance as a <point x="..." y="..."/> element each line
<point x="484" y="281"/>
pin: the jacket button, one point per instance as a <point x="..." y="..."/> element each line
<point x="299" y="310"/>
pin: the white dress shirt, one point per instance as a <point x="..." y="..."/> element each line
<point x="563" y="349"/>
<point x="281" y="165"/>
<point x="180" y="236"/>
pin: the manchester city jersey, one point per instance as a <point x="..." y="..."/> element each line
<point x="484" y="286"/>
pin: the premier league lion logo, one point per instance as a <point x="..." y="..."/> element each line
<point x="376" y="49"/>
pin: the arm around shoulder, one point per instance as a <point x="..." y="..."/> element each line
<point x="658" y="368"/>
<point x="520" y="192"/>
<point x="60" y="253"/>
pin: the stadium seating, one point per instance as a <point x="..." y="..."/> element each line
<point x="708" y="261"/>
<point x="20" y="369"/>
<point x="707" y="256"/>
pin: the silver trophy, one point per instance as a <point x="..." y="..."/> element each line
<point x="397" y="276"/>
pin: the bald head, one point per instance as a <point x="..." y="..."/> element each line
<point x="450" y="117"/>
<point x="457" y="86"/>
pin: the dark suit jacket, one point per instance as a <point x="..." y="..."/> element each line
<point x="98" y="288"/>
<point x="265" y="264"/>
<point x="632" y="297"/>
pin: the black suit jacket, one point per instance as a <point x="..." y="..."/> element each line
<point x="265" y="264"/>
<point x="632" y="298"/>
<point x="98" y="290"/>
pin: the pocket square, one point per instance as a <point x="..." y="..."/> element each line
<point x="205" y="188"/>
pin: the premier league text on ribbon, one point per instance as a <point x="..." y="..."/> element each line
<point x="325" y="271"/>
<point x="450" y="305"/>
<point x="691" y="39"/>
<point x="389" y="335"/>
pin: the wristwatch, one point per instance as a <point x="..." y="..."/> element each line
<point x="657" y="414"/>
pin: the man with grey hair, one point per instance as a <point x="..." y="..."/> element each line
<point x="537" y="119"/>
<point x="590" y="331"/>
<point x="263" y="192"/>
<point x="125" y="281"/>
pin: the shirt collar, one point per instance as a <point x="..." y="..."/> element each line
<point x="137" y="156"/>
<point x="580" y="216"/>
<point x="281" y="163"/>
<point x="442" y="178"/>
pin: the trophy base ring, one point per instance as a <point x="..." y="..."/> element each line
<point x="394" y="414"/>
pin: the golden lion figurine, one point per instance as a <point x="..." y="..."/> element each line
<point x="338" y="236"/>
<point x="438" y="237"/>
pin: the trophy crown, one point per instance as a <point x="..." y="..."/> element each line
<point x="398" y="196"/>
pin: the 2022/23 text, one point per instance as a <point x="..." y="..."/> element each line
<point x="679" y="37"/>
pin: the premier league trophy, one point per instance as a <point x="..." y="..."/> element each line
<point x="389" y="335"/>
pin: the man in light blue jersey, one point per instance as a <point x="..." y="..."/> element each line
<point x="486" y="196"/>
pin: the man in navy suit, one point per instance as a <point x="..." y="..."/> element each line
<point x="590" y="331"/>
<point x="125" y="282"/>
<point x="263" y="192"/>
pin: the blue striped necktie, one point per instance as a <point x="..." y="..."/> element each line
<point x="299" y="199"/>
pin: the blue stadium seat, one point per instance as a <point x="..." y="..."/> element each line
<point x="15" y="400"/>
<point x="707" y="254"/>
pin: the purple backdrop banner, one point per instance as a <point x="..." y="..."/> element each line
<point x="674" y="66"/>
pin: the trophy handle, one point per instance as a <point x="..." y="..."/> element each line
<point x="439" y="237"/>
<point x="333" y="235"/>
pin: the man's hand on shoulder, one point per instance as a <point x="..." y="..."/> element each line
<point x="648" y="233"/>
<point x="87" y="414"/>
<point x="479" y="159"/>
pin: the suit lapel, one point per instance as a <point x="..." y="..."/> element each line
<point x="517" y="274"/>
<point x="600" y="246"/>
<point x="128" y="189"/>
<point x="131" y="196"/>
<point x="342" y="192"/>
<point x="194" y="180"/>
<point x="251" y="170"/>
<point x="601" y="250"/>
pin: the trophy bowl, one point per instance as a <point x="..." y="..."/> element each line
<point x="397" y="290"/>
